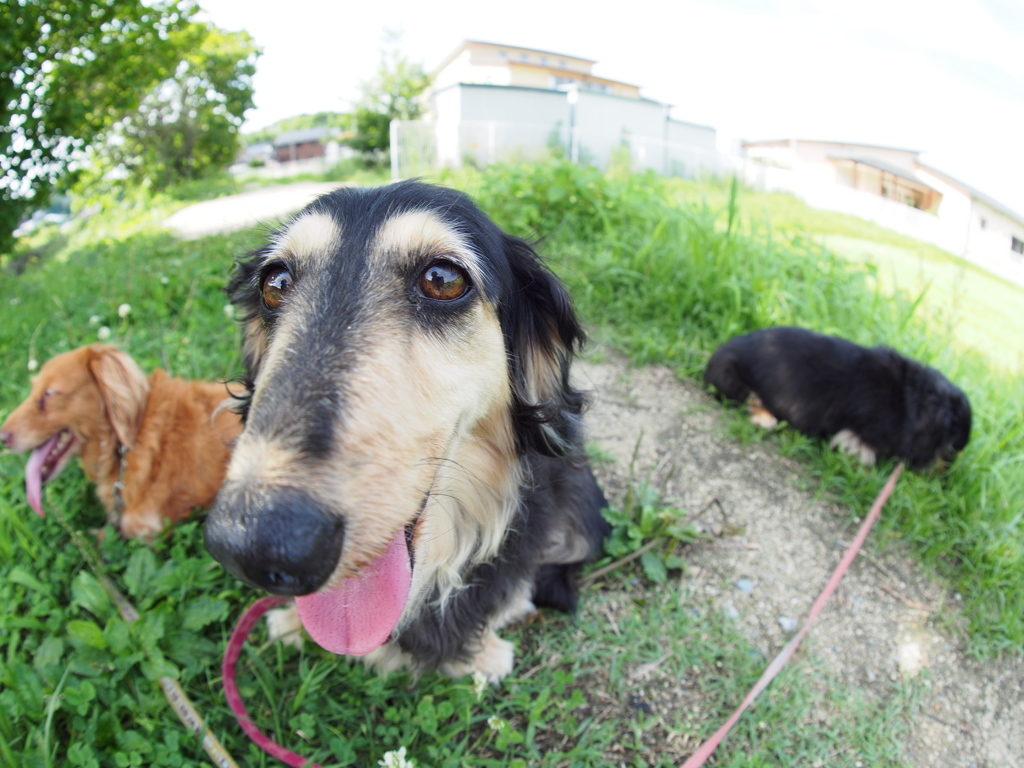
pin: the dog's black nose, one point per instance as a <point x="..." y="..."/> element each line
<point x="283" y="542"/>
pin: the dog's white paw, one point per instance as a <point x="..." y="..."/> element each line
<point x="848" y="442"/>
<point x="285" y="625"/>
<point x="759" y="415"/>
<point x="494" y="660"/>
<point x="140" y="524"/>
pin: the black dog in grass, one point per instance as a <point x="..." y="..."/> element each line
<point x="870" y="402"/>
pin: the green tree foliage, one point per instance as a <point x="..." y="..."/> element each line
<point x="390" y="95"/>
<point x="68" y="70"/>
<point x="187" y="126"/>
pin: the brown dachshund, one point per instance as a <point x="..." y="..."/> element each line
<point x="156" y="447"/>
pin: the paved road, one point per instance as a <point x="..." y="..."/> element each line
<point x="257" y="208"/>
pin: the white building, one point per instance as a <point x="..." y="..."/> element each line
<point x="491" y="102"/>
<point x="893" y="188"/>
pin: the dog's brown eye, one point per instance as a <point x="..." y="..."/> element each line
<point x="444" y="281"/>
<point x="275" y="286"/>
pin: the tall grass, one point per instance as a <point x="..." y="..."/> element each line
<point x="667" y="275"/>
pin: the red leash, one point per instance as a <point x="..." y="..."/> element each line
<point x="698" y="758"/>
<point x="227" y="668"/>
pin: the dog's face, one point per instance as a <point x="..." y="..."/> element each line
<point x="77" y="400"/>
<point x="942" y="427"/>
<point x="394" y="338"/>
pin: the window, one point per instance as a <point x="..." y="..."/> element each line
<point x="544" y="60"/>
<point x="522" y="57"/>
<point x="561" y="64"/>
<point x="1017" y="245"/>
<point x="984" y="223"/>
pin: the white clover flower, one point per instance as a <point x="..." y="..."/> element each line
<point x="164" y="279"/>
<point x="479" y="683"/>
<point x="124" y="310"/>
<point x="94" y="319"/>
<point x="496" y="723"/>
<point x="229" y="311"/>
<point x="396" y="759"/>
<point x="103" y="333"/>
<point x="33" y="364"/>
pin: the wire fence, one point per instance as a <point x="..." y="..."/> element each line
<point x="421" y="147"/>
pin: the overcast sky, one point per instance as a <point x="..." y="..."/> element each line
<point x="942" y="76"/>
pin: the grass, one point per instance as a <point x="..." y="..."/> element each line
<point x="665" y="270"/>
<point x="985" y="310"/>
<point x="981" y="309"/>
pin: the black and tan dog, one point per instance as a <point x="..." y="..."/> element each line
<point x="412" y="465"/>
<point x="871" y="402"/>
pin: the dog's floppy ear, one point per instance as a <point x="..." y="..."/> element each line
<point x="124" y="389"/>
<point x="244" y="294"/>
<point x="542" y="334"/>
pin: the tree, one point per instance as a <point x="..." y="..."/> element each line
<point x="68" y="70"/>
<point x="187" y="126"/>
<point x="390" y="95"/>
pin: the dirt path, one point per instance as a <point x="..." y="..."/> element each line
<point x="256" y="208"/>
<point x="878" y="626"/>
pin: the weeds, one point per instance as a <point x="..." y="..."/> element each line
<point x="644" y="527"/>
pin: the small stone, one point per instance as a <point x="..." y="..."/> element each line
<point x="788" y="624"/>
<point x="730" y="611"/>
<point x="745" y="585"/>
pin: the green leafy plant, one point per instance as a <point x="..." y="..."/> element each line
<point x="644" y="527"/>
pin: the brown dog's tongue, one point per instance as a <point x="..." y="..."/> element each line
<point x="360" y="614"/>
<point x="34" y="474"/>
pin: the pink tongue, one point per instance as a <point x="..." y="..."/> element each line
<point x="34" y="476"/>
<point x="359" y="615"/>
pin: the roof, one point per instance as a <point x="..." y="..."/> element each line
<point x="903" y="173"/>
<point x="302" y="136"/>
<point x="561" y="91"/>
<point x="976" y="194"/>
<point x="462" y="46"/>
<point x="571" y="73"/>
<point x="834" y="143"/>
